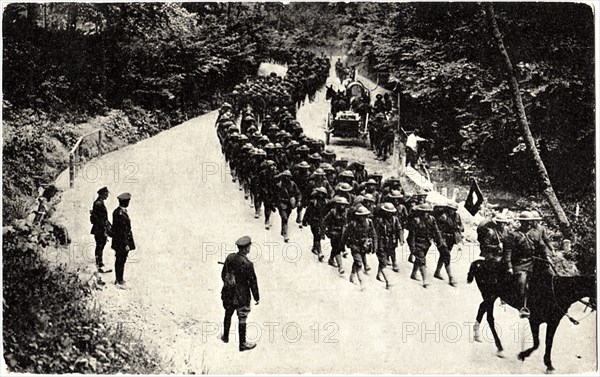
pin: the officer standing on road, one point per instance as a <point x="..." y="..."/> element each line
<point x="101" y="228"/>
<point x="239" y="286"/>
<point x="122" y="239"/>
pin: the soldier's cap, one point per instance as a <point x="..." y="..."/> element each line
<point x="452" y="204"/>
<point x="243" y="241"/>
<point x="393" y="179"/>
<point x="362" y="211"/>
<point x="319" y="171"/>
<point x="232" y="127"/>
<point x="360" y="163"/>
<point x="371" y="181"/>
<point x="395" y="194"/>
<point x="424" y="207"/>
<point x="251" y="129"/>
<point x="280" y="133"/>
<point x="243" y="137"/>
<point x="235" y="92"/>
<point x="327" y="167"/>
<point x="339" y="200"/>
<point x="257" y="134"/>
<point x="528" y="216"/>
<point x="347" y="173"/>
<point x="292" y="143"/>
<point x="270" y="162"/>
<point x="380" y="116"/>
<point x="344" y="187"/>
<point x="268" y="117"/>
<point x="286" y="173"/>
<point x="226" y="104"/>
<point x="278" y="146"/>
<point x="303" y="164"/>
<point x="264" y="138"/>
<point x="273" y="128"/>
<point x="388" y="207"/>
<point x="315" y="156"/>
<point x="269" y="146"/>
<point x="328" y="152"/>
<point x="369" y="197"/>
<point x="260" y="152"/>
<point x="103" y="190"/>
<point x="124" y="196"/>
<point x="501" y="218"/>
<point x="319" y="190"/>
<point x="247" y="146"/>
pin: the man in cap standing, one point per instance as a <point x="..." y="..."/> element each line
<point x="239" y="286"/>
<point x="122" y="239"/>
<point x="101" y="227"/>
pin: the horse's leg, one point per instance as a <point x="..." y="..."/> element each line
<point x="550" y="331"/>
<point x="480" y="313"/>
<point x="535" y="332"/>
<point x="490" y="318"/>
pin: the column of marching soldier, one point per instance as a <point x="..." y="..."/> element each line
<point x="281" y="170"/>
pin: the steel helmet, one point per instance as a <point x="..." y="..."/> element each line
<point x="370" y="198"/>
<point x="344" y="187"/>
<point x="424" y="207"/>
<point x="319" y="190"/>
<point x="304" y="165"/>
<point x="319" y="171"/>
<point x="527" y="216"/>
<point x="371" y="181"/>
<point x="388" y="207"/>
<point x="347" y="173"/>
<point x="362" y="211"/>
<point x="339" y="200"/>
<point x="286" y="173"/>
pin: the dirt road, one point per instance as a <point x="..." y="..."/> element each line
<point x="186" y="215"/>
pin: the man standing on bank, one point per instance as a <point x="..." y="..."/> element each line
<point x="239" y="286"/>
<point x="122" y="239"/>
<point x="101" y="228"/>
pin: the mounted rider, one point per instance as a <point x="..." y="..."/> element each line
<point x="523" y="246"/>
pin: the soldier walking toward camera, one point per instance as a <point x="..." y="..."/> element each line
<point x="122" y="238"/>
<point x="422" y="228"/>
<point x="451" y="227"/>
<point x="239" y="286"/>
<point x="315" y="212"/>
<point x="360" y="236"/>
<point x="287" y="196"/>
<point x="389" y="233"/>
<point x="101" y="227"/>
<point x="334" y="223"/>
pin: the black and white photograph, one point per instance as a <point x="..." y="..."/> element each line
<point x="326" y="188"/>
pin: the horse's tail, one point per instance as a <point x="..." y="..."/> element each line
<point x="473" y="269"/>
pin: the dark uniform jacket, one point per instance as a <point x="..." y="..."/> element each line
<point x="239" y="295"/>
<point x="521" y="249"/>
<point x="421" y="230"/>
<point x="285" y="191"/>
<point x="334" y="222"/>
<point x="360" y="236"/>
<point x="99" y="216"/>
<point x="451" y="227"/>
<point x="491" y="240"/>
<point x="315" y="212"/>
<point x="121" y="230"/>
<point x="388" y="230"/>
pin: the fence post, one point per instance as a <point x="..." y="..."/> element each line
<point x="99" y="143"/>
<point x="71" y="169"/>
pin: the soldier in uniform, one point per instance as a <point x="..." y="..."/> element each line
<point x="301" y="176"/>
<point x="360" y="173"/>
<point x="379" y="104"/>
<point x="522" y="247"/>
<point x="122" y="238"/>
<point x="334" y="223"/>
<point x="389" y="233"/>
<point x="451" y="227"/>
<point x="491" y="235"/>
<point x="422" y="228"/>
<point x="287" y="197"/>
<point x="101" y="228"/>
<point x="239" y="286"/>
<point x="360" y="237"/>
<point x="315" y="212"/>
<point x="267" y="183"/>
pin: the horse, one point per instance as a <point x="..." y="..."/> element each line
<point x="549" y="299"/>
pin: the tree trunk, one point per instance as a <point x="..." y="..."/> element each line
<point x="542" y="173"/>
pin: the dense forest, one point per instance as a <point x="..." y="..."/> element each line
<point x="149" y="66"/>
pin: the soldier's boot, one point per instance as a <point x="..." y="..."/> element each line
<point x="394" y="264"/>
<point x="267" y="219"/>
<point x="360" y="279"/>
<point x="352" y="274"/>
<point x="338" y="259"/>
<point x="423" y="270"/>
<point x="413" y="275"/>
<point x="226" y="327"/>
<point x="332" y="262"/>
<point x="257" y="212"/>
<point x="244" y="345"/>
<point x="364" y="259"/>
<point x="284" y="232"/>
<point x="320" y="252"/>
<point x="438" y="270"/>
<point x="451" y="279"/>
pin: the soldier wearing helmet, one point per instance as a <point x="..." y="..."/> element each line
<point x="491" y="235"/>
<point x="422" y="229"/>
<point x="315" y="212"/>
<point x="287" y="196"/>
<point x="360" y="173"/>
<point x="379" y="104"/>
<point x="267" y="187"/>
<point x="301" y="176"/>
<point x="360" y="237"/>
<point x="389" y="233"/>
<point x="522" y="247"/>
<point x="318" y="179"/>
<point x="451" y="227"/>
<point x="347" y="176"/>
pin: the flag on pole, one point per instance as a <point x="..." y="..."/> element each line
<point x="474" y="198"/>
